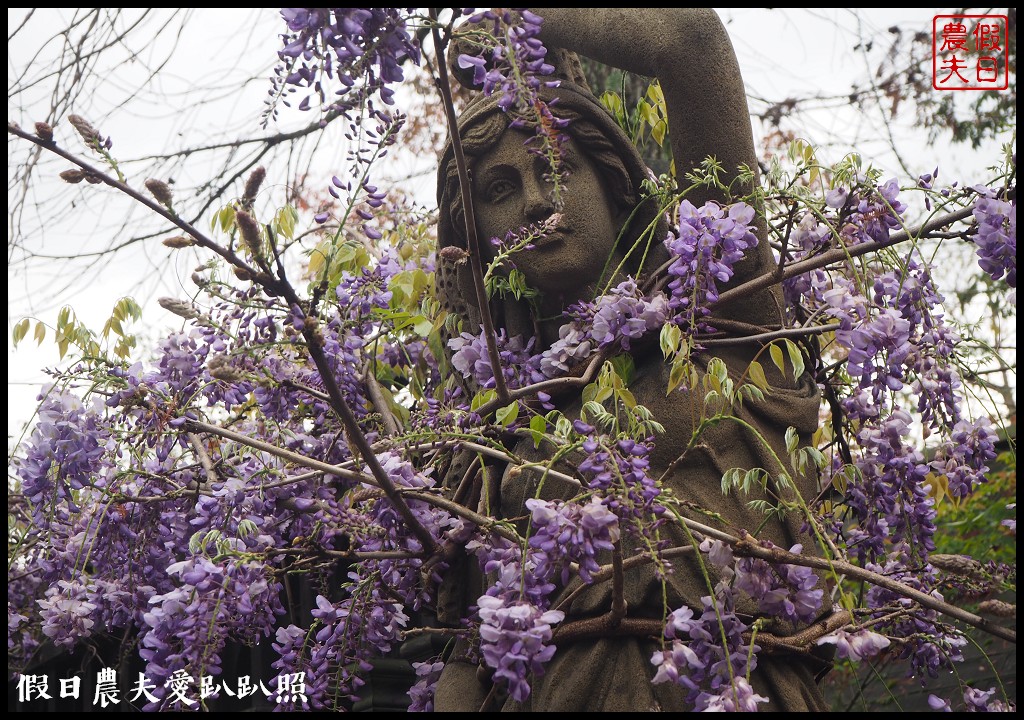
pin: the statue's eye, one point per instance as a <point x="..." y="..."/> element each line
<point x="499" y="189"/>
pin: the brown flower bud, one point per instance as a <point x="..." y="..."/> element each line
<point x="44" y="132"/>
<point x="181" y="308"/>
<point x="73" y="176"/>
<point x="958" y="565"/>
<point x="220" y="368"/>
<point x="997" y="608"/>
<point x="241" y="273"/>
<point x="250" y="232"/>
<point x="199" y="280"/>
<point x="87" y="131"/>
<point x="179" y="241"/>
<point x="160" y="191"/>
<point x="252" y="185"/>
<point x="453" y="254"/>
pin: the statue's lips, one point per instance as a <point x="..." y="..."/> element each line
<point x="554" y="237"/>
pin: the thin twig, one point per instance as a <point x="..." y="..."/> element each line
<point x="773" y="335"/>
<point x="201" y="239"/>
<point x="472" y="241"/>
<point x="353" y="475"/>
<point x="749" y="547"/>
<point x="204" y="459"/>
<point x="838" y="255"/>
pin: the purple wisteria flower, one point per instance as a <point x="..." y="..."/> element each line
<point x="889" y="497"/>
<point x="929" y="645"/>
<point x="515" y="64"/>
<point x="866" y="213"/>
<point x="188" y="627"/>
<point x="470" y="357"/>
<point x="996" y="239"/>
<point x="619" y="471"/>
<point x="615" y="318"/>
<point x="565" y="533"/>
<point x="708" y="655"/>
<point x="363" y="47"/>
<point x="788" y="592"/>
<point x="514" y="639"/>
<point x="66" y="613"/>
<point x="964" y="457"/>
<point x="710" y="241"/>
<point x="737" y="697"/>
<point x="64" y="453"/>
<point x="422" y="692"/>
<point x="857" y="646"/>
<point x="978" y="700"/>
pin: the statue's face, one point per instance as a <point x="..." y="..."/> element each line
<point x="510" y="192"/>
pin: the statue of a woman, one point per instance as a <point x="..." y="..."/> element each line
<point x="690" y="53"/>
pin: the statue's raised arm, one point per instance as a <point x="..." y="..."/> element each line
<point x="689" y="52"/>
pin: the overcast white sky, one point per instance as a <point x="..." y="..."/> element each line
<point x="782" y="54"/>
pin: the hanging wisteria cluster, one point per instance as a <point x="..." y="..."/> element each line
<point x="293" y="435"/>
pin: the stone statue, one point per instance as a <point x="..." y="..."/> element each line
<point x="689" y="51"/>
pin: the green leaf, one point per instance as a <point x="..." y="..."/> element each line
<point x="626" y="397"/>
<point x="777" y="358"/>
<point x="624" y="367"/>
<point x="796" y="357"/>
<point x="658" y="131"/>
<point x="227" y="218"/>
<point x="613" y="103"/>
<point x="508" y="414"/>
<point x="720" y="371"/>
<point x="792" y="439"/>
<point x="40" y="333"/>
<point x="677" y="374"/>
<point x="562" y="426"/>
<point x="591" y="409"/>
<point x="422" y="326"/>
<point x="285" y="221"/>
<point x="752" y="392"/>
<point x="784" y="482"/>
<point x="757" y="376"/>
<point x="20" y="330"/>
<point x="594" y="392"/>
<point x="481" y="399"/>
<point x="669" y="339"/>
<point x="731" y="480"/>
<point x="537" y="427"/>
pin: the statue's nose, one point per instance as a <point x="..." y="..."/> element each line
<point x="538" y="202"/>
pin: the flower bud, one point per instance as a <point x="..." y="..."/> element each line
<point x="241" y="273"/>
<point x="73" y="176"/>
<point x="453" y="254"/>
<point x="87" y="131"/>
<point x="252" y="185"/>
<point x="181" y="308"/>
<point x="958" y="565"/>
<point x="44" y="131"/>
<point x="220" y="368"/>
<point x="160" y="191"/>
<point x="179" y="241"/>
<point x="250" y="232"/>
<point x="997" y="608"/>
